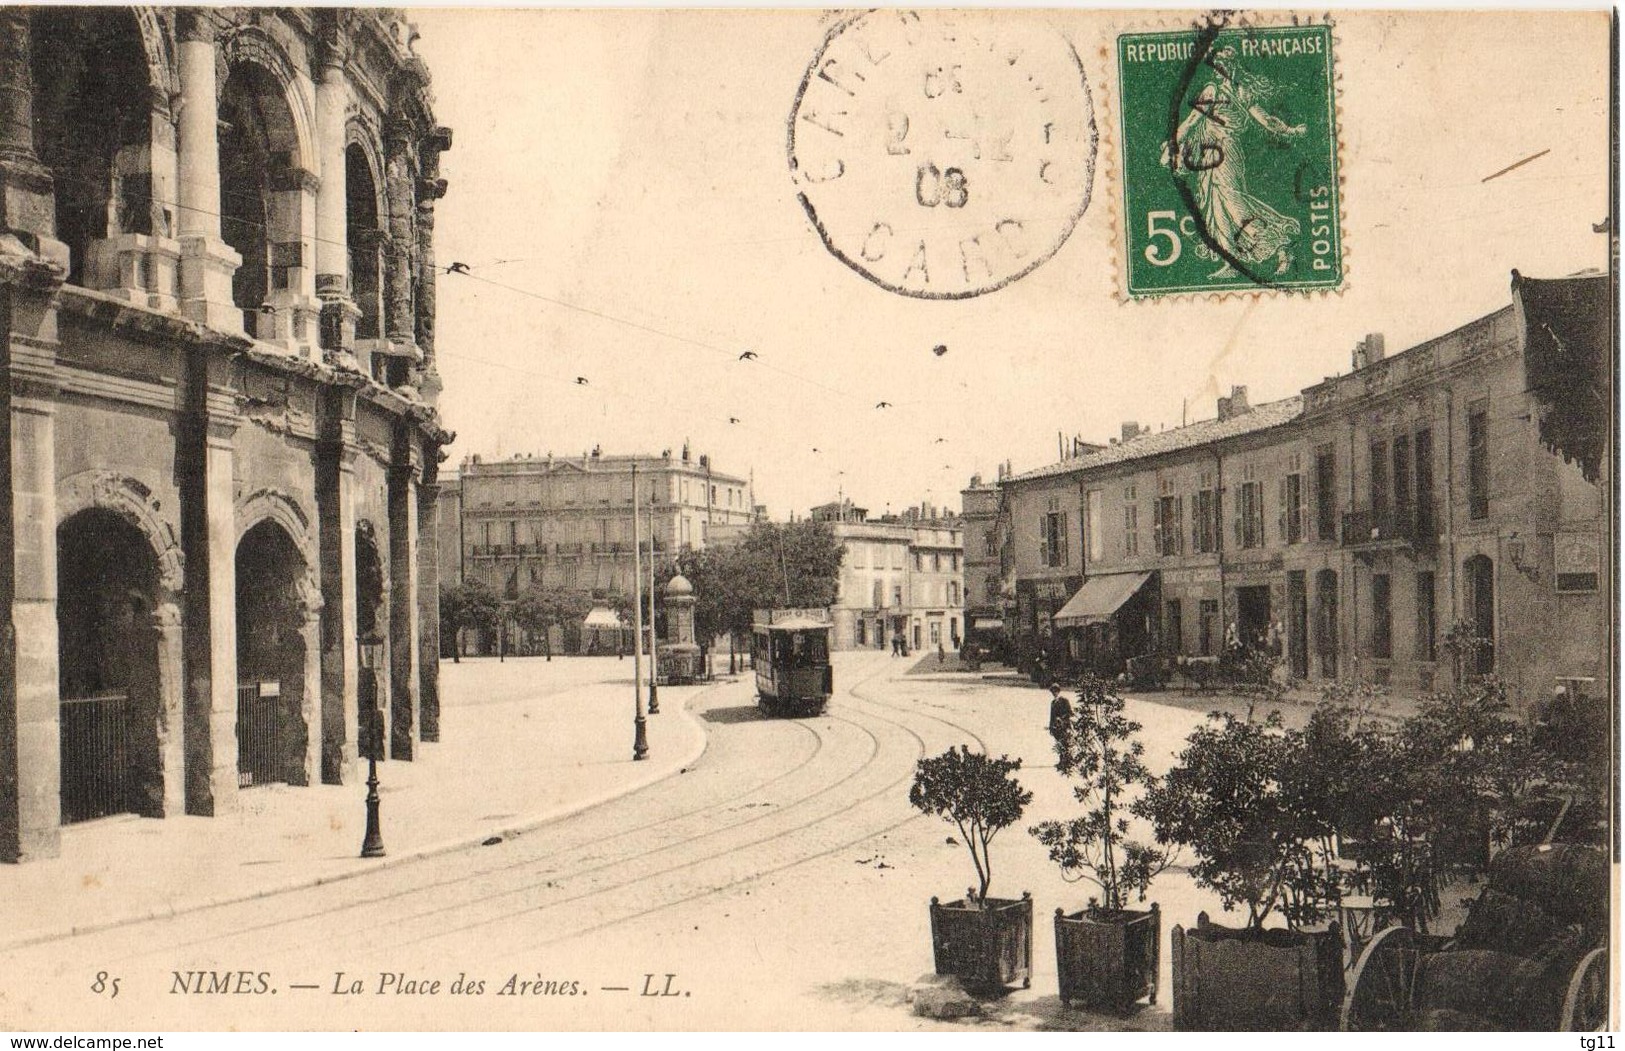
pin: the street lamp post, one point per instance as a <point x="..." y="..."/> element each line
<point x="654" y="651"/>
<point x="640" y="736"/>
<point x="372" y="843"/>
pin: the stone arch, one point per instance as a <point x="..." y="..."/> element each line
<point x="162" y="75"/>
<point x="253" y="46"/>
<point x="131" y="500"/>
<point x="274" y="505"/>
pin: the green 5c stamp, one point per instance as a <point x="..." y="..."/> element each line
<point x="1229" y="165"/>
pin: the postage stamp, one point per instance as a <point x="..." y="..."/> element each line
<point x="1229" y="165"/>
<point x="943" y="155"/>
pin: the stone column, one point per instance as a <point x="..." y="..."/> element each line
<point x="30" y="748"/>
<point x="207" y="262"/>
<point x="339" y="312"/>
<point x="171" y="707"/>
<point x="403" y="602"/>
<point x="428" y="591"/>
<point x="431" y="187"/>
<point x="400" y="323"/>
<point x="27" y="205"/>
<point x="336" y="531"/>
<point x="310" y="699"/>
<point x="141" y="263"/>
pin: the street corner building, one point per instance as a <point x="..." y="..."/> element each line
<point x="1357" y="531"/>
<point x="217" y="289"/>
<point x="900" y="577"/>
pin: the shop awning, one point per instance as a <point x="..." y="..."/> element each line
<point x="602" y="617"/>
<point x="1099" y="598"/>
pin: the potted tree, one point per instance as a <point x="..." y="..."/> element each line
<point x="983" y="941"/>
<point x="1107" y="955"/>
<point x="1253" y="809"/>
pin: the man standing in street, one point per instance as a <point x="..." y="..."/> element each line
<point x="1060" y="715"/>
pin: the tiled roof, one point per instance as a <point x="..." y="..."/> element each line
<point x="1260" y="417"/>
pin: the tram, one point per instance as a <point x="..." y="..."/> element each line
<point x="790" y="652"/>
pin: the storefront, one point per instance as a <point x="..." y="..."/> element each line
<point x="1110" y="620"/>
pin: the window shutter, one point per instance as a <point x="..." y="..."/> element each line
<point x="1241" y="510"/>
<point x="1179" y="525"/>
<point x="1280" y="519"/>
<point x="1066" y="541"/>
<point x="1156" y="528"/>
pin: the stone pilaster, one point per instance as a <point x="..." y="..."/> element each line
<point x="431" y="187"/>
<point x="403" y="602"/>
<point x="172" y="707"/>
<point x="400" y="324"/>
<point x="336" y="529"/>
<point x="207" y="262"/>
<point x="339" y="312"/>
<point x="428" y="592"/>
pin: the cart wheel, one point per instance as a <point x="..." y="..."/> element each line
<point x="1379" y="996"/>
<point x="1585" y="1008"/>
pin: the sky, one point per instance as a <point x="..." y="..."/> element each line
<point x="621" y="194"/>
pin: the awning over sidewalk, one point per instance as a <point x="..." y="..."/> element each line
<point x="1099" y="598"/>
<point x="602" y="617"/>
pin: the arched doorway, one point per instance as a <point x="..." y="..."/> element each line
<point x="370" y="638"/>
<point x="1479" y="574"/>
<point x="93" y="114"/>
<point x="107" y="591"/>
<point x="271" y="629"/>
<point x="259" y="193"/>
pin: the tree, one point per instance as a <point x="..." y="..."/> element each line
<point x="1098" y="746"/>
<point x="541" y="607"/>
<point x="977" y="795"/>
<point x="1253" y="807"/>
<point x="470" y="604"/>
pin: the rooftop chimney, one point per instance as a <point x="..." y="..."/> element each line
<point x="1235" y="405"/>
<point x="1131" y="429"/>
<point x="1369" y="350"/>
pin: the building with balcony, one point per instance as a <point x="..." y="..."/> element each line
<point x="566" y="522"/>
<point x="1348" y="529"/>
<point x="900" y="575"/>
<point x="217" y="275"/>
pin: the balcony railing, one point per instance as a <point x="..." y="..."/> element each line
<point x="1415" y="524"/>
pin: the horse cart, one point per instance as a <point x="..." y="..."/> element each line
<point x="1531" y="955"/>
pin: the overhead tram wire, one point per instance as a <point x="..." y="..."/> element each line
<point x="451" y="269"/>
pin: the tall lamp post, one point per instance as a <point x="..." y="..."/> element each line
<point x="372" y="649"/>
<point x="640" y="736"/>
<point x="654" y="650"/>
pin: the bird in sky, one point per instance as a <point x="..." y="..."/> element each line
<point x="882" y="404"/>
<point x="581" y="380"/>
<point x="939" y="441"/>
<point x="733" y="419"/>
<point x="815" y="448"/>
<point x="749" y="355"/>
<point x="457" y="268"/>
<point x="940" y="349"/>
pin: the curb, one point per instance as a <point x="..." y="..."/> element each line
<point x="393" y="860"/>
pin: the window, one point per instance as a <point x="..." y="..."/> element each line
<point x="1052" y="539"/>
<point x="990" y="544"/>
<point x="1250" y="515"/>
<point x="897" y="595"/>
<point x="1326" y="493"/>
<point x="1170" y="525"/>
<point x="1131" y="529"/>
<point x="1425" y="525"/>
<point x="953" y="593"/>
<point x="879" y="595"/>
<point x="955" y="558"/>
<point x="860" y="555"/>
<point x="1096" y="545"/>
<point x="1379" y="480"/>
<point x="1382" y="616"/>
<point x="1402" y="481"/>
<point x="919" y="561"/>
<point x="1478" y="460"/>
<point x="992" y="584"/>
<point x="1427" y="624"/>
<point x="936" y="633"/>
<point x="1205" y="522"/>
<point x="1292" y="508"/>
<point x="936" y="562"/>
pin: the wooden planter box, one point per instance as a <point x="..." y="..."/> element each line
<point x="1108" y="960"/>
<point x="1227" y="979"/>
<point x="985" y="947"/>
